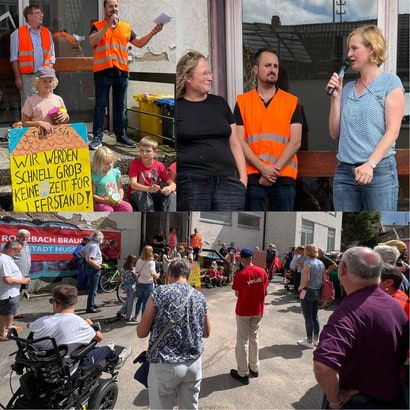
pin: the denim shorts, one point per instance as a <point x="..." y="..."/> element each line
<point x="9" y="306"/>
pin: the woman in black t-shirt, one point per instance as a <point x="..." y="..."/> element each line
<point x="211" y="164"/>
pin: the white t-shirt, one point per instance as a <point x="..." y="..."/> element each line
<point x="66" y="328"/>
<point x="145" y="268"/>
<point x="8" y="268"/>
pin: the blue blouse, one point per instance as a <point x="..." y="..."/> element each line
<point x="184" y="340"/>
<point x="362" y="121"/>
<point x="316" y="271"/>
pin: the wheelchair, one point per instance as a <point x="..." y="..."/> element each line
<point x="51" y="379"/>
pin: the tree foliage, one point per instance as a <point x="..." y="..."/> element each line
<point x="360" y="229"/>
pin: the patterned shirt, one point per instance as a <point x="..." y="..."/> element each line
<point x="362" y="121"/>
<point x="184" y="340"/>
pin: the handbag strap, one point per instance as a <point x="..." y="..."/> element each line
<point x="172" y="320"/>
<point x="372" y="93"/>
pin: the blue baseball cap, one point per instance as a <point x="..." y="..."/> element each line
<point x="246" y="253"/>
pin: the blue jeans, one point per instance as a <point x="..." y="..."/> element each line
<point x="143" y="292"/>
<point x="119" y="94"/>
<point x="82" y="275"/>
<point x="126" y="308"/>
<point x="281" y="197"/>
<point x="197" y="192"/>
<point x="310" y="308"/>
<point x="93" y="280"/>
<point x="380" y="195"/>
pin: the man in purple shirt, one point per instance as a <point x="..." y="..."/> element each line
<point x="357" y="361"/>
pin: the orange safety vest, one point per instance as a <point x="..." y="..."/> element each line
<point x="26" y="49"/>
<point x="267" y="130"/>
<point x="403" y="299"/>
<point x="196" y="241"/>
<point x="172" y="242"/>
<point x="112" y="49"/>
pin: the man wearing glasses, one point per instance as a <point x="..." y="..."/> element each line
<point x="31" y="47"/>
<point x="69" y="329"/>
<point x="11" y="280"/>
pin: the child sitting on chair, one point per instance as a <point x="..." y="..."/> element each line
<point x="108" y="193"/>
<point x="44" y="108"/>
<point x="147" y="176"/>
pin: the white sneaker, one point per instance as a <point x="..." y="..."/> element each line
<point x="315" y="341"/>
<point x="305" y="343"/>
<point x="111" y="345"/>
<point x="122" y="357"/>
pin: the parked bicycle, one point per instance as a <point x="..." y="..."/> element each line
<point x="110" y="281"/>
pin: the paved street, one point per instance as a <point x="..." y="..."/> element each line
<point x="285" y="381"/>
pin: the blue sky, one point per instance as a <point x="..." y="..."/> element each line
<point x="311" y="11"/>
<point x="399" y="218"/>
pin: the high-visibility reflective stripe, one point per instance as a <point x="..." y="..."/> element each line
<point x="109" y="46"/>
<point x="273" y="159"/>
<point x="266" y="137"/>
<point x="110" y="58"/>
<point x="112" y="49"/>
<point x="26" y="51"/>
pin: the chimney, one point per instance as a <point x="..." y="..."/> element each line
<point x="275" y="21"/>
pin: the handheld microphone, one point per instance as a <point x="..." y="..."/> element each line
<point x="341" y="73"/>
<point x="115" y="20"/>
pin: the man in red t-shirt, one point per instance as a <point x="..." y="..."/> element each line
<point x="250" y="286"/>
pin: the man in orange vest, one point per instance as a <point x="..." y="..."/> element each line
<point x="109" y="38"/>
<point x="31" y="47"/>
<point x="196" y="243"/>
<point x="269" y="124"/>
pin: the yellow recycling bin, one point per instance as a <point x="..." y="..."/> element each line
<point x="150" y="124"/>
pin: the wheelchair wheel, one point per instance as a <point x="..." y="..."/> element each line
<point x="104" y="396"/>
<point x="121" y="293"/>
<point x="108" y="281"/>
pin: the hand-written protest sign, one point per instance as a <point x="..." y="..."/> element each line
<point x="50" y="172"/>
<point x="195" y="275"/>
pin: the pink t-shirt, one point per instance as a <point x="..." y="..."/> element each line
<point x="154" y="174"/>
<point x="37" y="108"/>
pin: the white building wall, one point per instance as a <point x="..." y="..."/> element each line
<point x="159" y="55"/>
<point x="284" y="229"/>
<point x="281" y="230"/>
<point x="322" y="221"/>
<point x="128" y="224"/>
<point x="193" y="24"/>
<point x="214" y="233"/>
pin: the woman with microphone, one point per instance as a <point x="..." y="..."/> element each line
<point x="365" y="116"/>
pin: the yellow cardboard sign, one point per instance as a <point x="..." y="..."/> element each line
<point x="195" y="275"/>
<point x="50" y="172"/>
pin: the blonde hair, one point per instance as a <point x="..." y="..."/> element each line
<point x="36" y="82"/>
<point x="372" y="37"/>
<point x="100" y="158"/>
<point x="147" y="253"/>
<point x="185" y="66"/>
<point x="311" y="251"/>
<point x="148" y="142"/>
